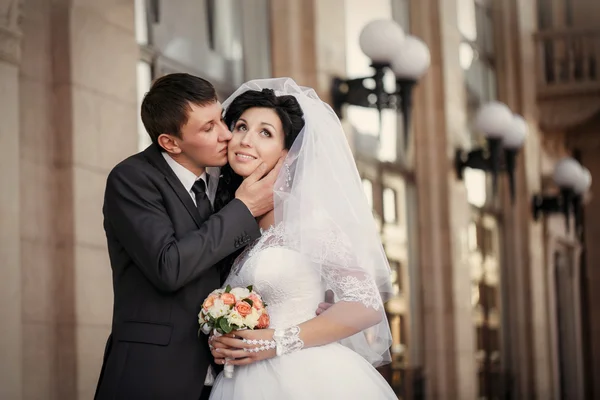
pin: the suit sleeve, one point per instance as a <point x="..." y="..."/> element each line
<point x="134" y="209"/>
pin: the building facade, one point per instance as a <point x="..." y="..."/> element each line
<point x="489" y="303"/>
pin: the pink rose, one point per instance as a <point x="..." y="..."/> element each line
<point x="256" y="301"/>
<point x="263" y="321"/>
<point x="228" y="299"/>
<point x="243" y="308"/>
<point x="208" y="303"/>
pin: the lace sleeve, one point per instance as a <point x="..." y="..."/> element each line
<point x="353" y="287"/>
<point x="341" y="270"/>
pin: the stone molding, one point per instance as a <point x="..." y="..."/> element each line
<point x="567" y="113"/>
<point x="10" y="45"/>
<point x="10" y="31"/>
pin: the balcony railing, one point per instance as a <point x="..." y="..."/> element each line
<point x="568" y="61"/>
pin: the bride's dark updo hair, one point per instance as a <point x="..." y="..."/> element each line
<point x="292" y="120"/>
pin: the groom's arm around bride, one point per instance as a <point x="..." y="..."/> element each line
<point x="164" y="243"/>
<point x="144" y="228"/>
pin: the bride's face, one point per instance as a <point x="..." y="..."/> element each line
<point x="257" y="137"/>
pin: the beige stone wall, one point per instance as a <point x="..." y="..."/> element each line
<point x="78" y="119"/>
<point x="10" y="254"/>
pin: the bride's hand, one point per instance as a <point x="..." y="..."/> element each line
<point x="237" y="351"/>
<point x="215" y="348"/>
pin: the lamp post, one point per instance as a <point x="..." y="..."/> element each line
<point x="573" y="181"/>
<point x="505" y="134"/>
<point x="386" y="44"/>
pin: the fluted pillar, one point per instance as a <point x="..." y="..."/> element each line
<point x="448" y="333"/>
<point x="526" y="342"/>
<point x="10" y="274"/>
<point x="293" y="40"/>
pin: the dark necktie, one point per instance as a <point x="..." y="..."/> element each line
<point x="202" y="203"/>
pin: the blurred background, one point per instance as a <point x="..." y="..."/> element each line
<point x="485" y="208"/>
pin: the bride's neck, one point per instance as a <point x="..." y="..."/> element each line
<point x="267" y="220"/>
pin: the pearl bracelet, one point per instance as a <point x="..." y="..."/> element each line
<point x="264" y="345"/>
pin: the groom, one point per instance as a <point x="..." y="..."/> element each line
<point x="164" y="242"/>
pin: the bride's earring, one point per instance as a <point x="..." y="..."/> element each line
<point x="288" y="177"/>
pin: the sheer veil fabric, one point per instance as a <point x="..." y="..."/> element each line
<point x="321" y="205"/>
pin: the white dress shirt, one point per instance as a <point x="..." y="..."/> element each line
<point x="188" y="178"/>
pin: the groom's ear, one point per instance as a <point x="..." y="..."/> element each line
<point x="169" y="143"/>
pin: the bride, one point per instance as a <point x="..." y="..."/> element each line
<point x="321" y="235"/>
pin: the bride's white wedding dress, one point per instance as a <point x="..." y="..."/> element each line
<point x="292" y="288"/>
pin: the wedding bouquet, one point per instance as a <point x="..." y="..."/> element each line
<point x="231" y="309"/>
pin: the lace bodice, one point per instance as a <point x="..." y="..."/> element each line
<point x="292" y="285"/>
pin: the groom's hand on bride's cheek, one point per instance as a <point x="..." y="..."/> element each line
<point x="237" y="349"/>
<point x="256" y="191"/>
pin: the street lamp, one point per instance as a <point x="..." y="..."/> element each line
<point x="505" y="134"/>
<point x="573" y="181"/>
<point x="386" y="44"/>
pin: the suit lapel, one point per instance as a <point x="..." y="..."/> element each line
<point x="154" y="156"/>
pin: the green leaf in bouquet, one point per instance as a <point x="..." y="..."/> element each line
<point x="249" y="302"/>
<point x="249" y="288"/>
<point x="228" y="289"/>
<point x="224" y="325"/>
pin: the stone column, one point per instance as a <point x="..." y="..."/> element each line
<point x="10" y="253"/>
<point x="584" y="139"/>
<point x="448" y="339"/>
<point x="592" y="261"/>
<point x="95" y="113"/>
<point x="330" y="39"/>
<point x="525" y="275"/>
<point x="49" y="369"/>
<point x="293" y="40"/>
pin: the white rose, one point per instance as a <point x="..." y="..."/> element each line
<point x="218" y="309"/>
<point x="240" y="293"/>
<point x="235" y="319"/>
<point x="251" y="320"/>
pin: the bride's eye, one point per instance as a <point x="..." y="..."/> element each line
<point x="266" y="133"/>
<point x="241" y="128"/>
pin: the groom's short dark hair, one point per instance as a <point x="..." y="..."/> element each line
<point x="166" y="106"/>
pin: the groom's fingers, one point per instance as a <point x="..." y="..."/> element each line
<point x="258" y="173"/>
<point x="329" y="296"/>
<point x="272" y="175"/>
<point x="322" y="308"/>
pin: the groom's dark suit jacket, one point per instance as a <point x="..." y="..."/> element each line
<point x="163" y="258"/>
